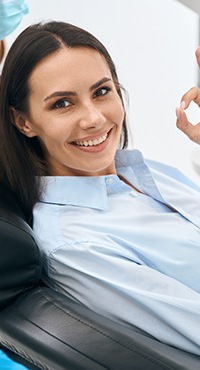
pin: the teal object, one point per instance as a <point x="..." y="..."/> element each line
<point x="7" y="364"/>
<point x="11" y="14"/>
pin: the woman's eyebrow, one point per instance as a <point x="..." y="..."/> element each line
<point x="72" y="93"/>
<point x="100" y="82"/>
<point x="60" y="93"/>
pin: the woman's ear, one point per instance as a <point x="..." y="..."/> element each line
<point x="20" y="121"/>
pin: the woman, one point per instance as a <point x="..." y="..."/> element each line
<point x="118" y="234"/>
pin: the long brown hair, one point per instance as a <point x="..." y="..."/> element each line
<point x="22" y="160"/>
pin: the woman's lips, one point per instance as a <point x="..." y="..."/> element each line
<point x="93" y="145"/>
<point x="92" y="142"/>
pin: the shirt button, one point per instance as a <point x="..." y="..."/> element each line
<point x="133" y="193"/>
<point x="109" y="180"/>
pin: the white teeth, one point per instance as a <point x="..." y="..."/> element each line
<point x="92" y="142"/>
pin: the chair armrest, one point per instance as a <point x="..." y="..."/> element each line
<point x="53" y="332"/>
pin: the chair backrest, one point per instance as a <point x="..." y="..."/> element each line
<point x="20" y="258"/>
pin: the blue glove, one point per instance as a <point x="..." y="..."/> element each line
<point x="7" y="364"/>
<point x="11" y="14"/>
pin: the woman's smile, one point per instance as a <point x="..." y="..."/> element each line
<point x="92" y="144"/>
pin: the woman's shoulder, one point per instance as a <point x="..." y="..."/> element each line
<point x="171" y="171"/>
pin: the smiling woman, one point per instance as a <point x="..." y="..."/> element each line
<point x="124" y="233"/>
<point x="62" y="101"/>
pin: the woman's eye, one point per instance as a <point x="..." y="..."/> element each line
<point x="63" y="103"/>
<point x="102" y="91"/>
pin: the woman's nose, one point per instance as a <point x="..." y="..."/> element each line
<point x="91" y="117"/>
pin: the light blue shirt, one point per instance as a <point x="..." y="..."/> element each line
<point x="125" y="254"/>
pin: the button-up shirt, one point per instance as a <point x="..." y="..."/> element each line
<point x="132" y="256"/>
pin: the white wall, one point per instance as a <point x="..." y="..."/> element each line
<point x="152" y="43"/>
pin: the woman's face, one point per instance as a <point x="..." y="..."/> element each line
<point x="76" y="112"/>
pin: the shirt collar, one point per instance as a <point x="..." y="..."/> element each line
<point x="156" y="181"/>
<point x="90" y="191"/>
<point x="68" y="190"/>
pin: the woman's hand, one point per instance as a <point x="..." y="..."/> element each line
<point x="192" y="131"/>
<point x="198" y="56"/>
